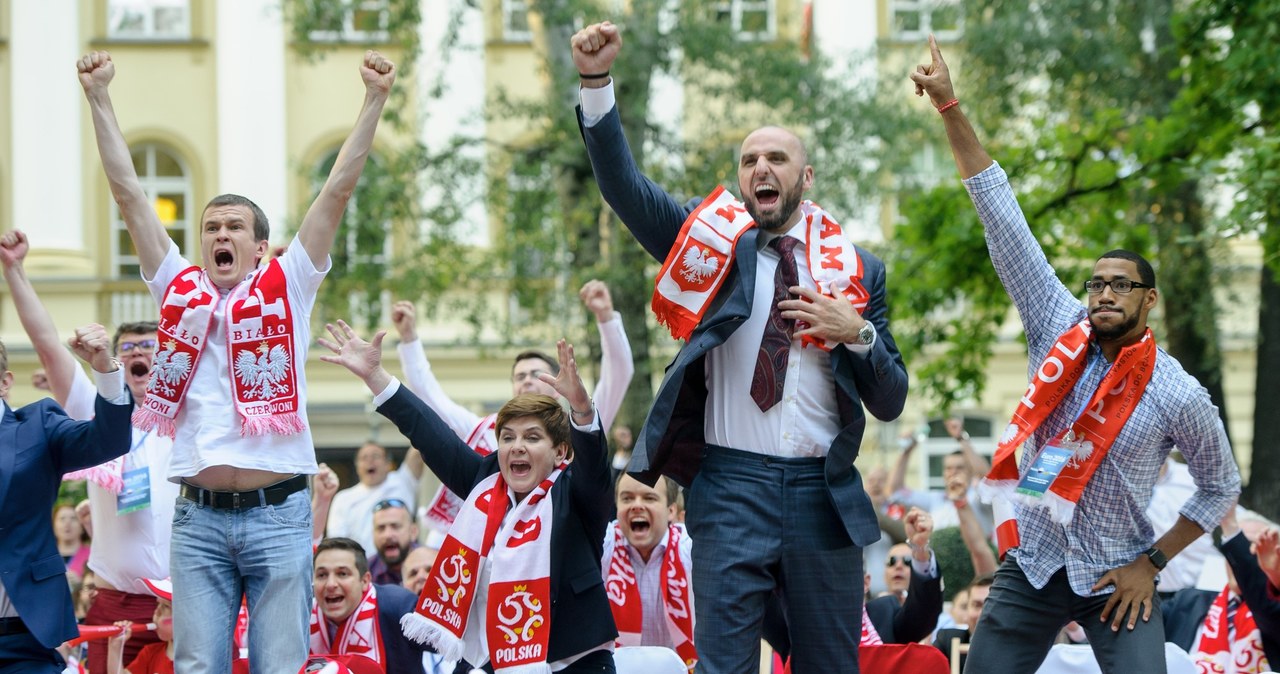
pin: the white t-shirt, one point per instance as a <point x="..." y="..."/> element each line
<point x="351" y="513"/>
<point x="130" y="547"/>
<point x="208" y="425"/>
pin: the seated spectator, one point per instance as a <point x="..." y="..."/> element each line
<point x="395" y="533"/>
<point x="417" y="564"/>
<point x="351" y="512"/>
<point x="909" y="612"/>
<point x="548" y="480"/>
<point x="354" y="616"/>
<point x="88" y="591"/>
<point x="971" y="610"/>
<point x="73" y="542"/>
<point x="646" y="568"/>
<point x="1243" y="624"/>
<point x="154" y="658"/>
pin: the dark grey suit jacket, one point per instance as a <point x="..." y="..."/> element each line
<point x="671" y="442"/>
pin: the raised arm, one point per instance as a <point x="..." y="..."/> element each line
<point x="978" y="464"/>
<point x="59" y="365"/>
<point x="652" y="215"/>
<point x="418" y="375"/>
<point x="935" y="80"/>
<point x="320" y="225"/>
<point x="617" y="365"/>
<point x="980" y="553"/>
<point x="149" y="236"/>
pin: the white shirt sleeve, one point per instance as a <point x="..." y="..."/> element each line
<point x="617" y="366"/>
<point x="596" y="103"/>
<point x="386" y="393"/>
<point x="417" y="370"/>
<point x="111" y="386"/>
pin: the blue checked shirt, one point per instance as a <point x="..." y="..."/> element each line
<point x="1110" y="527"/>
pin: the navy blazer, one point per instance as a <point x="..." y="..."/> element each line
<point x="582" y="501"/>
<point x="38" y="443"/>
<point x="672" y="442"/>
<point x="1253" y="589"/>
<point x="404" y="655"/>
<point x="913" y="619"/>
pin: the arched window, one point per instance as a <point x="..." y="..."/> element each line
<point x="167" y="183"/>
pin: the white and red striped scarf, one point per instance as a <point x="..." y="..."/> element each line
<point x="359" y="634"/>
<point x="259" y="321"/>
<point x="1243" y="654"/>
<point x="870" y="637"/>
<point x="624" y="594"/>
<point x="446" y="504"/>
<point x="699" y="262"/>
<point x="518" y="547"/>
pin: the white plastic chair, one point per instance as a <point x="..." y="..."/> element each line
<point x="648" y="660"/>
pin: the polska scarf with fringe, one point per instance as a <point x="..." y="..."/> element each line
<point x="1096" y="428"/>
<point x="260" y="344"/>
<point x="359" y="634"/>
<point x="699" y="262"/>
<point x="677" y="607"/>
<point x="518" y="547"/>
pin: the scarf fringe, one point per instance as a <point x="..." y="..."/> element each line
<point x="530" y="668"/>
<point x="423" y="631"/>
<point x="674" y="318"/>
<point x="276" y="424"/>
<point x="146" y="420"/>
<point x="1059" y="509"/>
<point x="100" y="475"/>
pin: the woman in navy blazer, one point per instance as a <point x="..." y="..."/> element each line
<point x="581" y="620"/>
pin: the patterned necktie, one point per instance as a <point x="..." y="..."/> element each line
<point x="1233" y="606"/>
<point x="775" y="343"/>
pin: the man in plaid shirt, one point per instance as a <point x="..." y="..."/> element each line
<point x="1086" y="551"/>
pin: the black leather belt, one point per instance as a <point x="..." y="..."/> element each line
<point x="234" y="500"/>
<point x="13" y="625"/>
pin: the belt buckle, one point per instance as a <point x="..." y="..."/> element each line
<point x="235" y="500"/>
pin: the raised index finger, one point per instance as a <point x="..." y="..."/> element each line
<point x="933" y="50"/>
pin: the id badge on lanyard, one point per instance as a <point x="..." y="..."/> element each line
<point x="1055" y="455"/>
<point x="136" y="493"/>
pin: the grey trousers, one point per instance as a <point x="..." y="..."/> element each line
<point x="1019" y="623"/>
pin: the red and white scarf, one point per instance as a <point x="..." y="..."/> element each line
<point x="699" y="262"/>
<point x="870" y="637"/>
<point x="359" y="634"/>
<point x="518" y="612"/>
<point x="260" y="345"/>
<point x="1243" y="654"/>
<point x="624" y="594"/>
<point x="1096" y="429"/>
<point x="445" y="504"/>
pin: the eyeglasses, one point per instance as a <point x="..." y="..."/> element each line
<point x="142" y="345"/>
<point x="1122" y="286"/>
<point x="905" y="560"/>
<point x="390" y="503"/>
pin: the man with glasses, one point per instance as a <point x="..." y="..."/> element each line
<point x="1103" y="409"/>
<point x="130" y="498"/>
<point x="395" y="533"/>
<point x="352" y="512"/>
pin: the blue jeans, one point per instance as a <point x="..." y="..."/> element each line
<point x="219" y="554"/>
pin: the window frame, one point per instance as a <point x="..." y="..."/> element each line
<point x="736" y="10"/>
<point x="925" y="8"/>
<point x="148" y="32"/>
<point x="153" y="186"/>
<point x="507" y="9"/>
<point x="348" y="32"/>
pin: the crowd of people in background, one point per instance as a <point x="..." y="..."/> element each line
<point x="716" y="525"/>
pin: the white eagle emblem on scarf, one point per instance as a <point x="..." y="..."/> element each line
<point x="698" y="264"/>
<point x="168" y="369"/>
<point x="260" y="375"/>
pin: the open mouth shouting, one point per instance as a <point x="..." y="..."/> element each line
<point x="223" y="260"/>
<point x="767" y="196"/>
<point x="520" y="468"/>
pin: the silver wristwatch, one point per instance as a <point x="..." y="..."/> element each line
<point x="866" y="334"/>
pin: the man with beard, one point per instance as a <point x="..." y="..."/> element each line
<point x="1103" y="409"/>
<point x="131" y="532"/>
<point x="395" y="533"/>
<point x="787" y="340"/>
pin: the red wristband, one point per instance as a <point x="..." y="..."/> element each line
<point x="948" y="105"/>
<point x="960" y="503"/>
